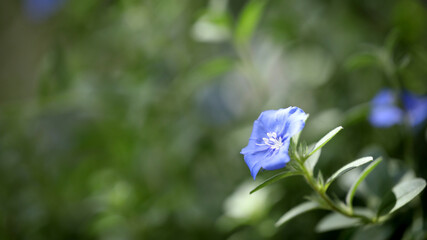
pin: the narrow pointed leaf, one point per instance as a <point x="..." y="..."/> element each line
<point x="299" y="209"/>
<point x="377" y="232"/>
<point x="311" y="162"/>
<point x="400" y="195"/>
<point x="325" y="140"/>
<point x="295" y="138"/>
<point x="362" y="176"/>
<point x="274" y="179"/>
<point x="320" y="178"/>
<point x="248" y="20"/>
<point x="357" y="163"/>
<point x="335" y="221"/>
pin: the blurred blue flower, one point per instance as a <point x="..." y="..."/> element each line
<point x="42" y="9"/>
<point x="416" y="108"/>
<point x="269" y="142"/>
<point x="384" y="112"/>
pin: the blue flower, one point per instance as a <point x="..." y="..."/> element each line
<point x="384" y="112"/>
<point x="416" y="108"/>
<point x="271" y="135"/>
<point x="39" y="10"/>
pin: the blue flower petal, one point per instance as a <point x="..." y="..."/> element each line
<point x="254" y="160"/>
<point x="279" y="159"/>
<point x="266" y="122"/>
<point x="259" y="131"/>
<point x="384" y="97"/>
<point x="269" y="142"/>
<point x="42" y="9"/>
<point x="416" y="108"/>
<point x="268" y="159"/>
<point x="288" y="121"/>
<point x="295" y="121"/>
<point x="384" y="112"/>
<point x="254" y="147"/>
<point x="385" y="116"/>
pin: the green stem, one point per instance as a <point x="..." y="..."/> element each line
<point x="321" y="191"/>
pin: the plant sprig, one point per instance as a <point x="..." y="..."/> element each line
<point x="303" y="162"/>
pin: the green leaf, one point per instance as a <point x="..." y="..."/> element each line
<point x="212" y="68"/>
<point x="400" y="195"/>
<point x="212" y="27"/>
<point x="362" y="176"/>
<point x="302" y="149"/>
<point x="202" y="74"/>
<point x="404" y="62"/>
<point x="311" y="162"/>
<point x="391" y="41"/>
<point x="274" y="179"/>
<point x="320" y="178"/>
<point x="377" y="232"/>
<point x="335" y="221"/>
<point x="356" y="114"/>
<point x="357" y="163"/>
<point x="299" y="209"/>
<point x="248" y="20"/>
<point x="361" y="60"/>
<point x="325" y="140"/>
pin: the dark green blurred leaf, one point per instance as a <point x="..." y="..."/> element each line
<point x="377" y="232"/>
<point x="356" y="114"/>
<point x="300" y="209"/>
<point x="361" y="60"/>
<point x="335" y="221"/>
<point x="404" y="62"/>
<point x="204" y="73"/>
<point x="214" y="67"/>
<point x="391" y="41"/>
<point x="248" y="20"/>
<point x="416" y="231"/>
<point x="410" y="18"/>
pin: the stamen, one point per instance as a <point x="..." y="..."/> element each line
<point x="272" y="141"/>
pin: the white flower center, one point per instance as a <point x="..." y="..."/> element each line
<point x="272" y="141"/>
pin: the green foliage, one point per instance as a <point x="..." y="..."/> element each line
<point x="124" y="119"/>
<point x="311" y="161"/>
<point x="325" y="140"/>
<point x="248" y="21"/>
<point x="356" y="163"/>
<point x="275" y="178"/>
<point x="400" y="195"/>
<point x="343" y="215"/>
<point x="300" y="209"/>
<point x="335" y="221"/>
<point x="362" y="176"/>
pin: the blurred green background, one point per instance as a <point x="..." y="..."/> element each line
<point x="124" y="119"/>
